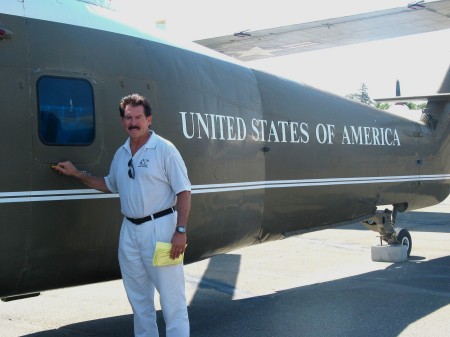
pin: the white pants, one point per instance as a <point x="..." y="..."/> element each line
<point x="136" y="248"/>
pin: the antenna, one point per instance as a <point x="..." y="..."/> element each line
<point x="397" y="88"/>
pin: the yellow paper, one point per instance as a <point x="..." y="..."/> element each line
<point x="162" y="255"/>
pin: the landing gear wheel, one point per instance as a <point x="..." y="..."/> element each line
<point x="404" y="238"/>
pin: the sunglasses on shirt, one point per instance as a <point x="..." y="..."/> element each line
<point x="131" y="173"/>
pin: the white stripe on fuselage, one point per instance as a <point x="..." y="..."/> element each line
<point x="59" y="195"/>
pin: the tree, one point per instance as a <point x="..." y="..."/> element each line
<point x="414" y="106"/>
<point x="421" y="106"/>
<point x="382" y="105"/>
<point x="362" y="96"/>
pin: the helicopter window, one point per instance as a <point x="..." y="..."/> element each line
<point x="66" y="111"/>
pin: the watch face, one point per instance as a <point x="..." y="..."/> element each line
<point x="181" y="229"/>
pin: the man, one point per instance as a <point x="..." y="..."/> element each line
<point x="150" y="177"/>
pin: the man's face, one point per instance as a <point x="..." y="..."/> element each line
<point x="135" y="122"/>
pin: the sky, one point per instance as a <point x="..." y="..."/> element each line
<point x="418" y="61"/>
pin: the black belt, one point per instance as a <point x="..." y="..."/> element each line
<point x="140" y="221"/>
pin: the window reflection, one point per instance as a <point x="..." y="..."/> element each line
<point x="66" y="111"/>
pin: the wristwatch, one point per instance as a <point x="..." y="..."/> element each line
<point x="181" y="229"/>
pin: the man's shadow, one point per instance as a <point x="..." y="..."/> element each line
<point x="378" y="303"/>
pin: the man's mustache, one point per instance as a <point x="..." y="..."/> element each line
<point x="134" y="127"/>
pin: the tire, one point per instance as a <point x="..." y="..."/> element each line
<point x="404" y="238"/>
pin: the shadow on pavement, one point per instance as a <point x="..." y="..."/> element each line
<point x="379" y="303"/>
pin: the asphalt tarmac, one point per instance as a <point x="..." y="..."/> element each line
<point x="317" y="284"/>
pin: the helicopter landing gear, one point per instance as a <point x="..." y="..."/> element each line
<point x="398" y="239"/>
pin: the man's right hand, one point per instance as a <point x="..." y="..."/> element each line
<point x="67" y="168"/>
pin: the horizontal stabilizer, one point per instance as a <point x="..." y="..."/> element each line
<point x="406" y="99"/>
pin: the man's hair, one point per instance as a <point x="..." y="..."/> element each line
<point x="135" y="100"/>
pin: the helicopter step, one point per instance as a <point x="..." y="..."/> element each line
<point x="389" y="253"/>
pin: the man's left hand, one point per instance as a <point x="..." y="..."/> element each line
<point x="178" y="245"/>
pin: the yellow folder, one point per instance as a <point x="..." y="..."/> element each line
<point x="162" y="255"/>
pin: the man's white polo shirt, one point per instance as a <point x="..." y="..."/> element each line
<point x="160" y="174"/>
